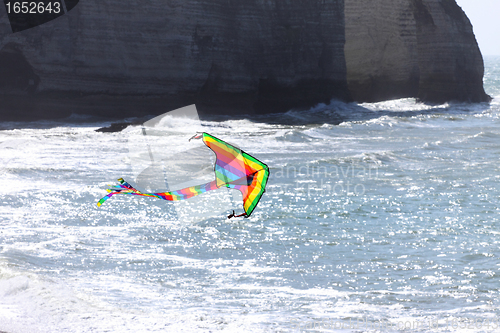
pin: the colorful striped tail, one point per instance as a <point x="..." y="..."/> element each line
<point x="186" y="193"/>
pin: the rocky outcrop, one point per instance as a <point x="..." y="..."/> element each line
<point x="122" y="58"/>
<point x="125" y="58"/>
<point x="412" y="48"/>
<point x="451" y="65"/>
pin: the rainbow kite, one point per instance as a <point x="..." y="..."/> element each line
<point x="233" y="169"/>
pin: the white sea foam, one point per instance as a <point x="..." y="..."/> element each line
<point x="391" y="216"/>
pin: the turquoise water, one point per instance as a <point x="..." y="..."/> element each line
<point x="378" y="217"/>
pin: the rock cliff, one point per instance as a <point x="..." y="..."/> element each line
<point x="121" y="58"/>
<point x="412" y="48"/>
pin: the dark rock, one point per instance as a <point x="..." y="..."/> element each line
<point x="130" y="58"/>
<point x="412" y="48"/>
<point x="120" y="58"/>
<point x="115" y="127"/>
<point x="451" y="65"/>
<point x="16" y="74"/>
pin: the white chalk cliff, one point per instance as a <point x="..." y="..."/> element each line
<point x="412" y="48"/>
<point x="121" y="58"/>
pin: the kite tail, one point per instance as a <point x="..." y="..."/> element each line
<point x="100" y="202"/>
<point x="124" y="188"/>
<point x="186" y="193"/>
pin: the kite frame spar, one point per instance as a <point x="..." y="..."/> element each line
<point x="233" y="168"/>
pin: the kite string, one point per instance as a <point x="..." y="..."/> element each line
<point x="147" y="143"/>
<point x="296" y="266"/>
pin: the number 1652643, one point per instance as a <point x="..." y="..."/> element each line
<point x="31" y="7"/>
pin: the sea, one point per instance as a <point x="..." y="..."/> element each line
<point x="377" y="217"/>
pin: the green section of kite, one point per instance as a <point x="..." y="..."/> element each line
<point x="233" y="168"/>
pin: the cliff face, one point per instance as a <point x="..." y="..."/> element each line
<point x="123" y="58"/>
<point x="412" y="48"/>
<point x="236" y="55"/>
<point x="451" y="65"/>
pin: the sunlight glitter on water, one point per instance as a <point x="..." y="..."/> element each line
<point x="391" y="215"/>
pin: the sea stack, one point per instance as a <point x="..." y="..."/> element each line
<point x="412" y="48"/>
<point x="125" y="58"/>
<point x="122" y="58"/>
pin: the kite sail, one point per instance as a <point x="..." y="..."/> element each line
<point x="233" y="169"/>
